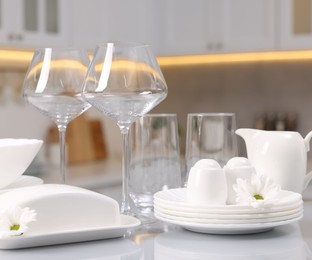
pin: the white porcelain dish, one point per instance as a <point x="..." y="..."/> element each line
<point x="213" y="215"/>
<point x="70" y="236"/>
<point x="177" y="199"/>
<point x="15" y="157"/>
<point x="23" y="181"/>
<point x="228" y="229"/>
<point x="230" y="221"/>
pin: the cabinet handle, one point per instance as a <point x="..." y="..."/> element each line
<point x="11" y="37"/>
<point x="15" y="37"/>
<point x="209" y="46"/>
<point x="214" y="46"/>
<point x="219" y="46"/>
<point x="19" y="37"/>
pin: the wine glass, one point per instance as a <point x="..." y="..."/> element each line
<point x="53" y="85"/>
<point x="124" y="82"/>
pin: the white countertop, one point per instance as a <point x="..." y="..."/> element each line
<point x="160" y="242"/>
<point x="292" y="241"/>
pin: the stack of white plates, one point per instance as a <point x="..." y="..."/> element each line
<point x="172" y="206"/>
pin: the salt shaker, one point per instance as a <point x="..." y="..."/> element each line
<point x="207" y="183"/>
<point x="237" y="167"/>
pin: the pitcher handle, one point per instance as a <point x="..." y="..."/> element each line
<point x="308" y="177"/>
<point x="307" y="180"/>
<point x="307" y="141"/>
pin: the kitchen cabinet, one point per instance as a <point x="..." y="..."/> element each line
<point x="100" y="21"/>
<point x="248" y="25"/>
<point x="208" y="26"/>
<point x="171" y="27"/>
<point x="295" y="24"/>
<point x="33" y="23"/>
<point x="190" y="26"/>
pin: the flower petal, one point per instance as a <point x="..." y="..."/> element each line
<point x="262" y="185"/>
<point x="15" y="216"/>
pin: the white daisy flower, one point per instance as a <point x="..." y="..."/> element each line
<point x="259" y="191"/>
<point x="14" y="221"/>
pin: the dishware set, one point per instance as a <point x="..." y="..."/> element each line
<point x="124" y="82"/>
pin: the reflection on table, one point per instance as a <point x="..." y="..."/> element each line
<point x="103" y="249"/>
<point x="280" y="243"/>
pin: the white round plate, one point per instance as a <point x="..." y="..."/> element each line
<point x="228" y="229"/>
<point x="248" y="211"/>
<point x="214" y="215"/>
<point x="23" y="181"/>
<point x="177" y="199"/>
<point x="229" y="221"/>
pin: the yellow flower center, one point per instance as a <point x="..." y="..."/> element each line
<point x="258" y="197"/>
<point x="15" y="227"/>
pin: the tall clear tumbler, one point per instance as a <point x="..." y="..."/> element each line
<point x="155" y="161"/>
<point x="210" y="136"/>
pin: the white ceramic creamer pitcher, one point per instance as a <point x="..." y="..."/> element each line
<point x="280" y="154"/>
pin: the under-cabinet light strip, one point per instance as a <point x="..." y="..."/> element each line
<point x="15" y="59"/>
<point x="236" y="58"/>
<point x="21" y="59"/>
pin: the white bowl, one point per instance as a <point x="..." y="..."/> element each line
<point x="15" y="157"/>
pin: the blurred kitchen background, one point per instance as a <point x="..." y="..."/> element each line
<point x="250" y="57"/>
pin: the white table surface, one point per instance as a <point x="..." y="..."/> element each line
<point x="293" y="241"/>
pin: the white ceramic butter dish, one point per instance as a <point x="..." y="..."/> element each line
<point x="63" y="207"/>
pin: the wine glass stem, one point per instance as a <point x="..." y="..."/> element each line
<point x="62" y="137"/>
<point x="125" y="206"/>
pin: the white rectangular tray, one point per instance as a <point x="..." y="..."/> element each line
<point x="71" y="236"/>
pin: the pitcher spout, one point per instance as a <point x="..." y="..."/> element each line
<point x="249" y="134"/>
<point x="246" y="133"/>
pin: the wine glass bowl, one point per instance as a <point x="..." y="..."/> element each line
<point x="124" y="78"/>
<point x="124" y="82"/>
<point x="53" y="85"/>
